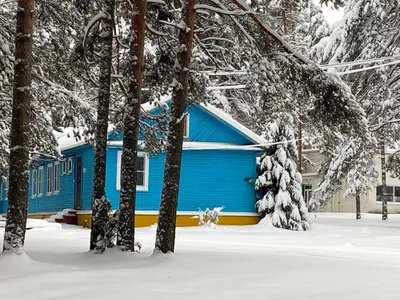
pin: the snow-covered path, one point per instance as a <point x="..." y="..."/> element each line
<point x="340" y="258"/>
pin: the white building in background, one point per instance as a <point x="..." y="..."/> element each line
<point x="370" y="202"/>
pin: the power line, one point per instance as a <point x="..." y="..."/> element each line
<point x="358" y="62"/>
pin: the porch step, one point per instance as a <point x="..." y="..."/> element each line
<point x="69" y="217"/>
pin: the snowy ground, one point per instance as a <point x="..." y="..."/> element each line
<point x="341" y="258"/>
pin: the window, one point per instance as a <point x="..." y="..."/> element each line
<point x="64" y="167"/>
<point x="6" y="189"/>
<point x="69" y="165"/>
<point x="34" y="183"/>
<point x="40" y="181"/>
<point x="49" y="178"/>
<point x="142" y="171"/>
<point x="1" y="190"/>
<point x="56" y="177"/>
<point x="392" y="193"/>
<point x="307" y="193"/>
<point x="186" y="121"/>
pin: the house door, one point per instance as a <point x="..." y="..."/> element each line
<point x="78" y="183"/>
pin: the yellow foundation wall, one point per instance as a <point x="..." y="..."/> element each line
<point x="181" y="220"/>
<point x="39" y="216"/>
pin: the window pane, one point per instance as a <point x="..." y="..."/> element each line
<point x="378" y="191"/>
<point x="397" y="191"/>
<point x="140" y="163"/>
<point x="140" y="179"/>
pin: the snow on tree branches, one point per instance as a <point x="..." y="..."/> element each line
<point x="279" y="183"/>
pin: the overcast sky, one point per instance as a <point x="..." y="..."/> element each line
<point x="331" y="15"/>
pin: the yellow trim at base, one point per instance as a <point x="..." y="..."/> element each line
<point x="145" y="220"/>
<point x="39" y="216"/>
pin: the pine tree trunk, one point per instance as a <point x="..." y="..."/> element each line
<point x="100" y="212"/>
<point x="165" y="239"/>
<point x="358" y="207"/>
<point x="383" y="171"/>
<point x="126" y="216"/>
<point x="14" y="236"/>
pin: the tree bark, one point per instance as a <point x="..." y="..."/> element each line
<point x="358" y="207"/>
<point x="126" y="215"/>
<point x="100" y="212"/>
<point x="383" y="171"/>
<point x="14" y="236"/>
<point x="165" y="239"/>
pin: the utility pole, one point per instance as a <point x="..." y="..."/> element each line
<point x="383" y="170"/>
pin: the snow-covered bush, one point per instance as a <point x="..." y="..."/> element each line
<point x="209" y="217"/>
<point x="279" y="184"/>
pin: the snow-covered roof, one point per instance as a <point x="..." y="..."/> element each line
<point x="67" y="139"/>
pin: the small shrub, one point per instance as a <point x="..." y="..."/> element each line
<point x="209" y="217"/>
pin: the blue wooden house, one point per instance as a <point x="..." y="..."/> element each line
<point x="218" y="166"/>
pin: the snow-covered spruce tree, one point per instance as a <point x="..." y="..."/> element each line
<point x="100" y="208"/>
<point x="279" y="183"/>
<point x="14" y="235"/>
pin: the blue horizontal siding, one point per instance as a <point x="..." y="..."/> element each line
<point x="65" y="198"/>
<point x="204" y="127"/>
<point x="209" y="178"/>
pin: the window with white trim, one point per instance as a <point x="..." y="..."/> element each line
<point x="186" y="121"/>
<point x="49" y="178"/>
<point x="40" y="181"/>
<point x="64" y="167"/>
<point x="69" y="165"/>
<point x="6" y="190"/>
<point x="392" y="194"/>
<point x="56" y="177"/>
<point x="142" y="171"/>
<point x="307" y="193"/>
<point x="34" y="182"/>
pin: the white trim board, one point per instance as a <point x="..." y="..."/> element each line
<point x="143" y="188"/>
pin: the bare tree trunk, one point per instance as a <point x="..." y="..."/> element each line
<point x="165" y="239"/>
<point x="14" y="236"/>
<point x="126" y="215"/>
<point x="358" y="207"/>
<point x="99" y="207"/>
<point x="300" y="146"/>
<point x="383" y="171"/>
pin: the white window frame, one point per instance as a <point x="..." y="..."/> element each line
<point x="64" y="167"/>
<point x="56" y="176"/>
<point x="34" y="183"/>
<point x="69" y="165"/>
<point x="186" y="126"/>
<point x="40" y="182"/>
<point x="6" y="190"/>
<point x="306" y="192"/>
<point x="144" y="187"/>
<point x="50" y="179"/>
